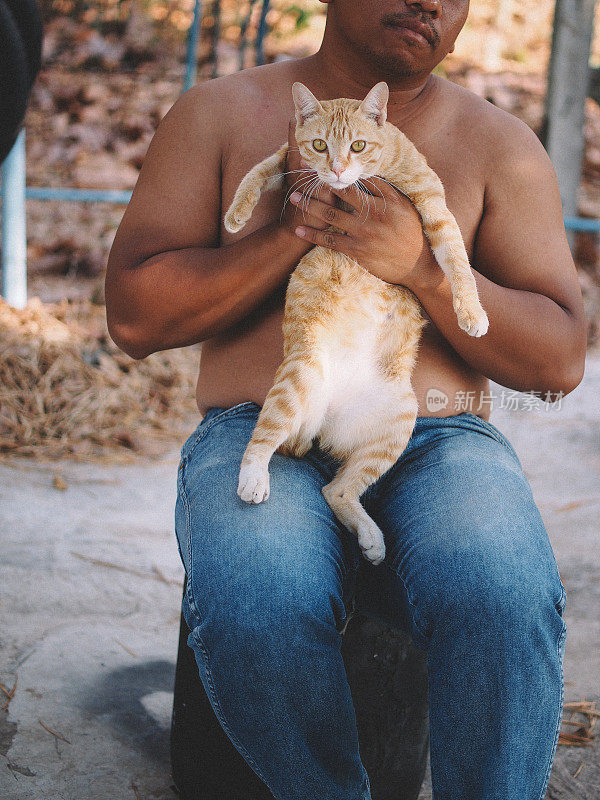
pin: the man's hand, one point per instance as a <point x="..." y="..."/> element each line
<point x="301" y="179"/>
<point x="383" y="233"/>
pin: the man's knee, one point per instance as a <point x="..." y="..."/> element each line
<point x="495" y="567"/>
<point x="265" y="570"/>
<point x="494" y="590"/>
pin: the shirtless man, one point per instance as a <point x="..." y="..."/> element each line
<point x="469" y="571"/>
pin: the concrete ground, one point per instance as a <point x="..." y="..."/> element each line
<point x="90" y="584"/>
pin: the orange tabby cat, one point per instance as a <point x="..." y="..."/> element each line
<point x="350" y="339"/>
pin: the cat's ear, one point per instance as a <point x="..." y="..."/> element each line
<point x="375" y="103"/>
<point x="306" y="103"/>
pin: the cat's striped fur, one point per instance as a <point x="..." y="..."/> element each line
<point x="350" y="339"/>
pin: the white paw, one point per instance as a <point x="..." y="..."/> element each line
<point x="233" y="223"/>
<point x="472" y="319"/>
<point x="253" y="486"/>
<point x="478" y="326"/>
<point x="370" y="540"/>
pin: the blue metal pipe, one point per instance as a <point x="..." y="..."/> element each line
<point x="78" y="195"/>
<point x="244" y="35"/>
<point x="260" y="34"/>
<point x="583" y="225"/>
<point x="192" y="47"/>
<point x="14" y="235"/>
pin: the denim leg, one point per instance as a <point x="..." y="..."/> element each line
<point x="471" y="573"/>
<point x="267" y="592"/>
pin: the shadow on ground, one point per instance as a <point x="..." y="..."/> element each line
<point x="118" y="698"/>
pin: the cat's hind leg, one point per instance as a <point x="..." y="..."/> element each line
<point x="291" y="415"/>
<point x="367" y="463"/>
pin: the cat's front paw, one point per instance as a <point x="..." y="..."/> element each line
<point x="253" y="486"/>
<point x="234" y="220"/>
<point x="240" y="211"/>
<point x="471" y="318"/>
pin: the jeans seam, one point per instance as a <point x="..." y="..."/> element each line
<point x="188" y="526"/>
<point x="561" y="639"/>
<point x="221" y="716"/>
<point x="180" y="492"/>
<point x="415" y="610"/>
<point x="201" y="432"/>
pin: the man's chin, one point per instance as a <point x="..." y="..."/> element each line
<point x="396" y="65"/>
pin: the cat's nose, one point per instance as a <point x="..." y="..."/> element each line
<point x="338" y="171"/>
<point x="337" y="168"/>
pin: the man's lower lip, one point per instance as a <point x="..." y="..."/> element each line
<point x="408" y="33"/>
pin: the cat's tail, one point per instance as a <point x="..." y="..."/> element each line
<point x="266" y="175"/>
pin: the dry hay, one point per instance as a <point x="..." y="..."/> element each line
<point x="67" y="390"/>
<point x="581" y="735"/>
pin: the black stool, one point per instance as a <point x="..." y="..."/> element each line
<point x="388" y="681"/>
<point x="21" y="47"/>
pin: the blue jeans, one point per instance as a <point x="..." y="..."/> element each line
<point x="469" y="574"/>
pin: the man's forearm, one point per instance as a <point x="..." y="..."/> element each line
<point x="533" y="344"/>
<point x="182" y="297"/>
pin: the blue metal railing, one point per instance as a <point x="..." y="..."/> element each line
<point x="78" y="195"/>
<point x="14" y="192"/>
<point x="582" y="224"/>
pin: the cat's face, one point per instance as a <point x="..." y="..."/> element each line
<point x="341" y="140"/>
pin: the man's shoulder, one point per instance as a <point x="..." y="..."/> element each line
<point x="233" y="96"/>
<point x="496" y="133"/>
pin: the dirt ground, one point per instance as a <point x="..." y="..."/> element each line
<point x="90" y="588"/>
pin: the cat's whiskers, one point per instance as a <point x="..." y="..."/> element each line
<point x="319" y="184"/>
<point x="290" y="172"/>
<point x="306" y="187"/>
<point x="303" y="179"/>
<point x="316" y="183"/>
<point x="300" y="184"/>
<point x="356" y="187"/>
<point x="368" y="194"/>
<point x="367" y="182"/>
<point x="389" y="183"/>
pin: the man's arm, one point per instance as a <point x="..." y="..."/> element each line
<point x="168" y="282"/>
<point x="526" y="279"/>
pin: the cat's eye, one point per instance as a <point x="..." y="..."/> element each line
<point x="319" y="145"/>
<point x="358" y="145"/>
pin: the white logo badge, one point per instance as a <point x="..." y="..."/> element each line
<point x="435" y="400"/>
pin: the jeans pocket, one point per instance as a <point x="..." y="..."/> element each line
<point x="212" y="417"/>
<point x="493" y="430"/>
